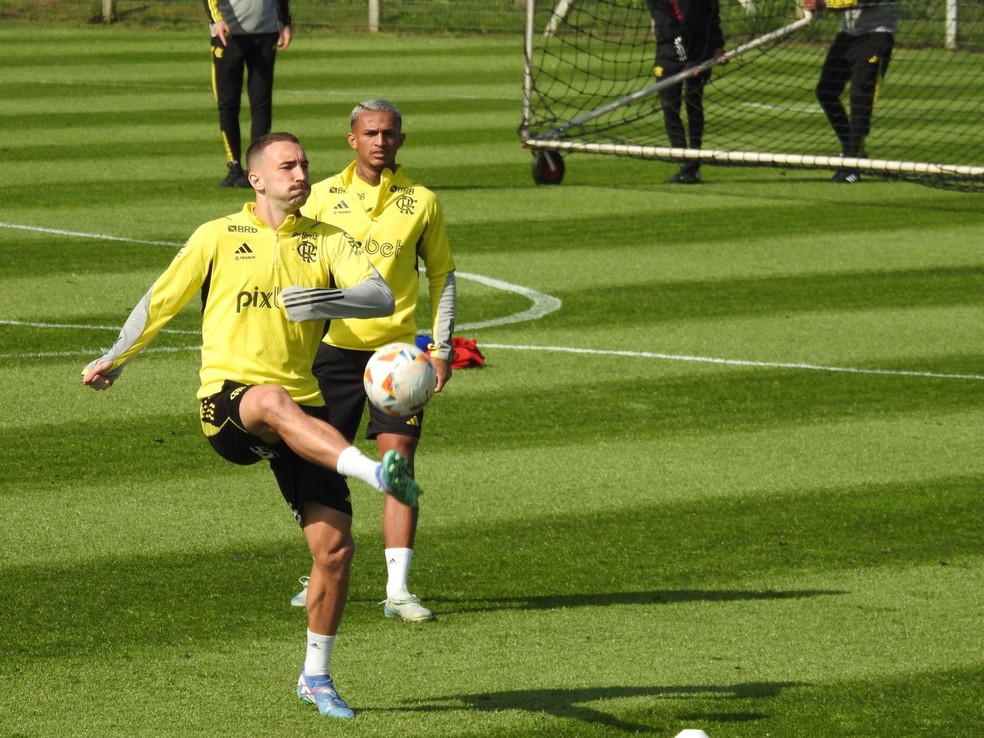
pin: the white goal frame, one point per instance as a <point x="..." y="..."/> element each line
<point x="549" y="142"/>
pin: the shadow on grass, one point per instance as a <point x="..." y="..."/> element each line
<point x="715" y="549"/>
<point x="606" y="599"/>
<point x="576" y="704"/>
<point x="712" y="550"/>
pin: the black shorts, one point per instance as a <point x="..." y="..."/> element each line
<point x="299" y="479"/>
<point x="340" y="376"/>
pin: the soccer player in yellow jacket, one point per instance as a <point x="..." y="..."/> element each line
<point x="401" y="225"/>
<point x="269" y="278"/>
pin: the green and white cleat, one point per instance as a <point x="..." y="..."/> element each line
<point x="320" y="691"/>
<point x="394" y="475"/>
<point x="408" y="608"/>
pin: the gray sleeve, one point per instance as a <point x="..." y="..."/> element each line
<point x="371" y="298"/>
<point x="447" y="305"/>
<point x="132" y="330"/>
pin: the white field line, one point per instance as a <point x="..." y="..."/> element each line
<point x="101" y="236"/>
<point x="784" y="108"/>
<point x="732" y="362"/>
<point x="92" y="354"/>
<point x="543" y="304"/>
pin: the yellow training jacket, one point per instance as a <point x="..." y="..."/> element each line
<point x="240" y="266"/>
<point x="398" y="223"/>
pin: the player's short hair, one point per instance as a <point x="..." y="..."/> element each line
<point x="260" y="144"/>
<point x="376" y="106"/>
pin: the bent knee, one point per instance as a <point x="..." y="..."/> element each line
<point x="267" y="406"/>
<point x="269" y="397"/>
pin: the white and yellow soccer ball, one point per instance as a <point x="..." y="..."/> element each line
<point x="399" y="379"/>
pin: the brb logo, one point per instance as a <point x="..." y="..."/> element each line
<point x="258" y="299"/>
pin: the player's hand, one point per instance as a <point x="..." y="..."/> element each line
<point x="442" y="368"/>
<point x="813" y="5"/>
<point x="285" y="37"/>
<point x="221" y="30"/>
<point x="95" y="375"/>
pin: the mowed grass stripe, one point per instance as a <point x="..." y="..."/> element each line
<point x="857" y="528"/>
<point x="549" y="225"/>
<point x="177" y="135"/>
<point x="310" y="63"/>
<point x="333" y="105"/>
<point x="173" y="106"/>
<point x="653" y="302"/>
<point x="647" y="407"/>
<point x="651" y="406"/>
<point x="196" y="177"/>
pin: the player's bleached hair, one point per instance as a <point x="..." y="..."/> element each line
<point x="259" y="145"/>
<point x="376" y="106"/>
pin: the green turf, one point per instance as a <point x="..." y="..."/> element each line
<point x="733" y="483"/>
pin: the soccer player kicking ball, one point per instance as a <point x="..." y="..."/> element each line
<point x="407" y="228"/>
<point x="263" y="275"/>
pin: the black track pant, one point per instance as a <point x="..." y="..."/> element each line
<point x="254" y="54"/>
<point x="862" y="61"/>
<point x="688" y="95"/>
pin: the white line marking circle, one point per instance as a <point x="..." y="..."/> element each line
<point x="543" y="305"/>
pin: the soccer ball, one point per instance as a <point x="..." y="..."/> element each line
<point x="399" y="379"/>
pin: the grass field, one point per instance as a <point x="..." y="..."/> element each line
<point x="722" y="469"/>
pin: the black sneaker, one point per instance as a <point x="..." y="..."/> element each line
<point x="688" y="174"/>
<point x="236" y="177"/>
<point x="846" y="176"/>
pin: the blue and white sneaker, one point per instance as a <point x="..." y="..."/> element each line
<point x="320" y="691"/>
<point x="395" y="478"/>
<point x="300" y="599"/>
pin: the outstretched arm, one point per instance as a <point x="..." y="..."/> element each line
<point x="370" y="298"/>
<point x="102" y="372"/>
<point x="173" y="289"/>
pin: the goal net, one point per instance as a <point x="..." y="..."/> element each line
<point x="589" y="88"/>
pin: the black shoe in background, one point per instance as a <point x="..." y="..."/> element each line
<point x="236" y="177"/>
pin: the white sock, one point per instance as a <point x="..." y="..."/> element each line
<point x="318" y="657"/>
<point x="354" y="463"/>
<point x="397" y="569"/>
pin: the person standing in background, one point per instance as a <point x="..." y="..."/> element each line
<point x="688" y="32"/>
<point x="246" y="35"/>
<point x="407" y="227"/>
<point x="859" y="54"/>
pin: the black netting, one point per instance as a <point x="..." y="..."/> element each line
<point x="589" y="59"/>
